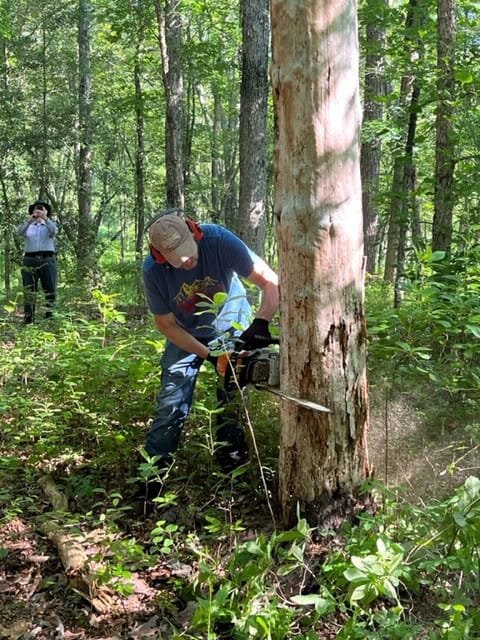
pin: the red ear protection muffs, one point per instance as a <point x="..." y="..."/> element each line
<point x="197" y="234"/>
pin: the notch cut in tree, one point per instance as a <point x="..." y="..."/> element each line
<point x="315" y="77"/>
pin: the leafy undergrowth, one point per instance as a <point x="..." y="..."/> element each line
<point x="210" y="562"/>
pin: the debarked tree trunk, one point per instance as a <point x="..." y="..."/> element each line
<point x="318" y="206"/>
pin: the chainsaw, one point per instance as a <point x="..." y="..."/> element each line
<point x="261" y="369"/>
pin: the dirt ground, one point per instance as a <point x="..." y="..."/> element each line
<point x="427" y="456"/>
<point x="407" y="447"/>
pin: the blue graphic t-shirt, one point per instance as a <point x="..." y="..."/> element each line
<point x="221" y="256"/>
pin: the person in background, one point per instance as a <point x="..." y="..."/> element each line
<point x="39" y="262"/>
<point x="188" y="264"/>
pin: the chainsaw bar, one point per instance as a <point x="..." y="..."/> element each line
<point x="308" y="404"/>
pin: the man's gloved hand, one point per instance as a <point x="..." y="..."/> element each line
<point x="221" y="362"/>
<point x="256" y="336"/>
<point x="212" y="359"/>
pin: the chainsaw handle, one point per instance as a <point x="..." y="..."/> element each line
<point x="238" y="348"/>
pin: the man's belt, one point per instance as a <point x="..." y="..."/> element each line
<point x="40" y="254"/>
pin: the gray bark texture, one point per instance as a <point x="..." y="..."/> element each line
<point x="445" y="146"/>
<point x="318" y="206"/>
<point x="254" y="122"/>
<point x="171" y="47"/>
<point x="371" y="150"/>
<point x="399" y="192"/>
<point x="85" y="245"/>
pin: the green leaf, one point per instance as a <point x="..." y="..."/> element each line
<point x="464" y="76"/>
<point x="389" y="590"/>
<point x="460" y="519"/>
<point x="474" y="329"/>
<point x="354" y="575"/>
<point x="220" y="298"/>
<point x="381" y="548"/>
<point x="261" y="623"/>
<point x="358" y="593"/>
<point x="322" y="605"/>
<point x="423" y="355"/>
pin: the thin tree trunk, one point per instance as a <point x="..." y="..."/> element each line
<point x="170" y="38"/>
<point x="214" y="125"/>
<point x="5" y="225"/>
<point x="139" y="160"/>
<point x="44" y="142"/>
<point x="139" y="174"/>
<point x="253" y="122"/>
<point x="85" y="245"/>
<point x="216" y="171"/>
<point x="398" y="194"/>
<point x="371" y="150"/>
<point x="230" y="162"/>
<point x="407" y="205"/>
<point x="445" y="146"/>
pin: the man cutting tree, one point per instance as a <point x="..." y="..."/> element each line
<point x="188" y="264"/>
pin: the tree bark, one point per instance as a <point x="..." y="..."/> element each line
<point x="86" y="236"/>
<point x="323" y="457"/>
<point x="371" y="150"/>
<point x="140" y="136"/>
<point x="254" y="92"/>
<point x="72" y="554"/>
<point x="398" y="195"/>
<point x="445" y="146"/>
<point x="407" y="205"/>
<point x="170" y="38"/>
<point x="216" y="164"/>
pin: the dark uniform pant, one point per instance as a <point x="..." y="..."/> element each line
<point x="38" y="269"/>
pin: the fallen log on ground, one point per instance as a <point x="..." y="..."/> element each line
<point x="72" y="553"/>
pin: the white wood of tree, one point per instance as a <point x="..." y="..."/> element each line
<point x="318" y="207"/>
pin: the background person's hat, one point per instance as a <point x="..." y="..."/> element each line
<point x="171" y="236"/>
<point x="40" y="204"/>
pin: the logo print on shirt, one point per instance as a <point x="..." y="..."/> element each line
<point x="190" y="294"/>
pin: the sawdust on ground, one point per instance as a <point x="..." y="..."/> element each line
<point x="427" y="456"/>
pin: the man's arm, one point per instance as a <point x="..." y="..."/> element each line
<point x="51" y="226"/>
<point x="167" y="324"/>
<point x="267" y="281"/>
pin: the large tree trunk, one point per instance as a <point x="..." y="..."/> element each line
<point x="445" y="146"/>
<point x="323" y="456"/>
<point x="253" y="122"/>
<point x="170" y="37"/>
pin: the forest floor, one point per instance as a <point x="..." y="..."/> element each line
<point x="427" y="456"/>
<point x="428" y="459"/>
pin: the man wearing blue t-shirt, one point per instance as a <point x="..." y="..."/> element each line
<point x="188" y="264"/>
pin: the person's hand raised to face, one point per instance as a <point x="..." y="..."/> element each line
<point x="39" y="213"/>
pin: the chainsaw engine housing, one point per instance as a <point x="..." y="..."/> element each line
<point x="261" y="366"/>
